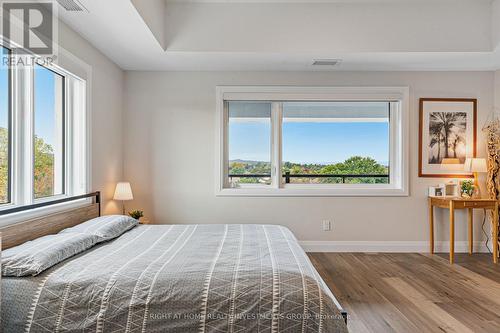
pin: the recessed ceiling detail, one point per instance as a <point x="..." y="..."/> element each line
<point x="286" y="35"/>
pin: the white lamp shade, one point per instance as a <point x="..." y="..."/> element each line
<point x="475" y="165"/>
<point x="123" y="192"/>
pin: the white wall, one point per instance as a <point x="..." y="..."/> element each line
<point x="497" y="89"/>
<point x="343" y="26"/>
<point x="107" y="106"/>
<point x="170" y="143"/>
<point x="495" y="24"/>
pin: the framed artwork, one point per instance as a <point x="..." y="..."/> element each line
<point x="447" y="136"/>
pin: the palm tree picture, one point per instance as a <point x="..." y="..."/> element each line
<point x="447" y="131"/>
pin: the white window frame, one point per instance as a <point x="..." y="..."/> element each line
<point x="399" y="133"/>
<point x="77" y="147"/>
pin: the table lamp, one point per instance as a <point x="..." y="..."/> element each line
<point x="123" y="192"/>
<point x="476" y="165"/>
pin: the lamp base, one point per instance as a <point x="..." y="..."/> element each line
<point x="477" y="188"/>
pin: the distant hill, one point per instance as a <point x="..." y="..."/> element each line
<point x="251" y="162"/>
<point x="246" y="161"/>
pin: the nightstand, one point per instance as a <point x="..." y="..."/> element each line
<point x="454" y="203"/>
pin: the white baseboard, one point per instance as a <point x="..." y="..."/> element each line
<point x="390" y="246"/>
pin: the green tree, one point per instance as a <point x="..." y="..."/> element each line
<point x="237" y="168"/>
<point x="356" y="165"/>
<point x="4" y="163"/>
<point x="43" y="169"/>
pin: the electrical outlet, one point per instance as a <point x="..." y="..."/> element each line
<point x="327" y="225"/>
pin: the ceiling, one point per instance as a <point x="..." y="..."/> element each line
<point x="287" y="35"/>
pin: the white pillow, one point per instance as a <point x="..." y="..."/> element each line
<point x="104" y="227"/>
<point x="33" y="257"/>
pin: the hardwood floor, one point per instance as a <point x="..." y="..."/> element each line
<point x="407" y="292"/>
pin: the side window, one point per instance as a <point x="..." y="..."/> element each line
<point x="48" y="140"/>
<point x="249" y="143"/>
<point x="5" y="129"/>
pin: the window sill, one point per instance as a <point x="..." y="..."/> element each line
<point x="41" y="212"/>
<point x="315" y="191"/>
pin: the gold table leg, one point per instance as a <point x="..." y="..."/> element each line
<point x="452" y="232"/>
<point x="470" y="218"/>
<point x="431" y="228"/>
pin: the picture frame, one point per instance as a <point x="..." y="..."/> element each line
<point x="447" y="130"/>
<point x="436" y="191"/>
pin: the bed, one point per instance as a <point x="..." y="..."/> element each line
<point x="178" y="278"/>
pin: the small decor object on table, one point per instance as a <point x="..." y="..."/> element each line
<point x="451" y="189"/>
<point x="467" y="189"/>
<point x="136" y="214"/>
<point x="476" y="165"/>
<point x="436" y="191"/>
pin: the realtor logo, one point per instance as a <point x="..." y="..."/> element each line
<point x="32" y="25"/>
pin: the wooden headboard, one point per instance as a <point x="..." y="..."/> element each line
<point x="21" y="232"/>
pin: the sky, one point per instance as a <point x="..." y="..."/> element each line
<point x="3" y="94"/>
<point x="43" y="104"/>
<point x="311" y="142"/>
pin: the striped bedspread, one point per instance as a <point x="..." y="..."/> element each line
<point x="178" y="278"/>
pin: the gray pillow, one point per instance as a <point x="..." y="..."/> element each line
<point x="104" y="227"/>
<point x="33" y="257"/>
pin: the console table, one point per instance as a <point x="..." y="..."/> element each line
<point x="454" y="203"/>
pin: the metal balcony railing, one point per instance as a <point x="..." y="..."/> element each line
<point x="288" y="176"/>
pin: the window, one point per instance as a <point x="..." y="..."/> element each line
<point x="249" y="143"/>
<point x="48" y="146"/>
<point x="4" y="129"/>
<point x="335" y="142"/>
<point x="312" y="141"/>
<point x="43" y="135"/>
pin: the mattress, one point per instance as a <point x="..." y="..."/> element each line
<point x="178" y="278"/>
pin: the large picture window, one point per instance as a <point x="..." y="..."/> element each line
<point x="312" y="141"/>
<point x="43" y="136"/>
<point x="336" y="142"/>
